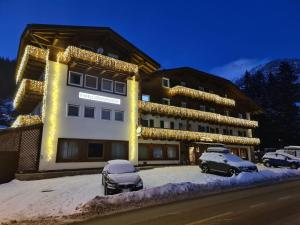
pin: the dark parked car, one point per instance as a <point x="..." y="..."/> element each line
<point x="219" y="159"/>
<point x="281" y="159"/>
<point x="120" y="176"/>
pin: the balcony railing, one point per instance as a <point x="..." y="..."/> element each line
<point x="167" y="110"/>
<point x="204" y="96"/>
<point x="102" y="61"/>
<point x="181" y="135"/>
<point x="29" y="94"/>
<point x="33" y="53"/>
<point x="27" y="120"/>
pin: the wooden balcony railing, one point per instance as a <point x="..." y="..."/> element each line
<point x="182" y="135"/>
<point x="167" y="110"/>
<point x="102" y="61"/>
<point x="204" y="96"/>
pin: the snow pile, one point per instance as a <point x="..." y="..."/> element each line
<point x="21" y="200"/>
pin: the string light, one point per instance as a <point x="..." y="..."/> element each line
<point x="98" y="59"/>
<point x="28" y="88"/>
<point x="30" y="51"/>
<point x="155" y="108"/>
<point x="27" y="120"/>
<point x="205" y="96"/>
<point x="158" y="133"/>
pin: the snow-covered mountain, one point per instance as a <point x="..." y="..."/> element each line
<point x="273" y="66"/>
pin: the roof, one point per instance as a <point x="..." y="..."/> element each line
<point x="229" y="84"/>
<point x="48" y="33"/>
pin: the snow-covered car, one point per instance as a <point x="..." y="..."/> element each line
<point x="280" y="159"/>
<point x="120" y="176"/>
<point x="219" y="159"/>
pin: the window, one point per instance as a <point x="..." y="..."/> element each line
<point x="120" y="87"/>
<point x="183" y="104"/>
<point x="89" y="112"/>
<point x="146" y="98"/>
<point x="91" y="82"/>
<point x="212" y="110"/>
<point x="119" y="116"/>
<point x="172" y="152"/>
<point x="75" y="78"/>
<point x="151" y="123"/>
<point x="143" y="152"/>
<point x="201" y="128"/>
<point x="182" y="83"/>
<point x="165" y="82"/>
<point x="107" y="85"/>
<point x="207" y="129"/>
<point x="105" y="114"/>
<point x="162" y="124"/>
<point x="230" y="132"/>
<point x="166" y="101"/>
<point x="118" y="150"/>
<point x="144" y="123"/>
<point x="73" y="110"/>
<point x="115" y="56"/>
<point x="69" y="150"/>
<point x="225" y="131"/>
<point x="240" y="115"/>
<point x="180" y="125"/>
<point x="95" y="150"/>
<point x="217" y="130"/>
<point x="202" y="107"/>
<point x="245" y="134"/>
<point x="157" y="152"/>
<point x="201" y="88"/>
<point x="172" y="125"/>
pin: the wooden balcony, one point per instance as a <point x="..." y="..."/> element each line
<point x="32" y="64"/>
<point x="197" y="94"/>
<point x="182" y="135"/>
<point x="29" y="94"/>
<point x="173" y="111"/>
<point x="77" y="55"/>
<point x="27" y="120"/>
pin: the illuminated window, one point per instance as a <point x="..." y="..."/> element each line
<point x="105" y="114"/>
<point x="107" y="85"/>
<point x="91" y="82"/>
<point x="146" y="98"/>
<point x="165" y="82"/>
<point x="120" y="87"/>
<point x="75" y="78"/>
<point x="166" y="101"/>
<point x="119" y="115"/>
<point x="89" y="112"/>
<point x="73" y="110"/>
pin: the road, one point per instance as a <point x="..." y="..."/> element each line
<point x="271" y="205"/>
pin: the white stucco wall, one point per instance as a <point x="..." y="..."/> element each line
<point x="58" y="125"/>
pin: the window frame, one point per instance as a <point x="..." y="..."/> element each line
<point x="165" y="79"/>
<point x="67" y="110"/>
<point x="87" y="152"/>
<point x="105" y="109"/>
<point x="115" y="89"/>
<point x="145" y="96"/>
<point x="81" y="79"/>
<point x="112" y="85"/>
<point x="119" y="111"/>
<point x="97" y="84"/>
<point x="88" y="106"/>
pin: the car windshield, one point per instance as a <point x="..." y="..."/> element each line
<point x="120" y="168"/>
<point x="232" y="158"/>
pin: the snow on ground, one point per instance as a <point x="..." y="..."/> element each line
<point x="62" y="196"/>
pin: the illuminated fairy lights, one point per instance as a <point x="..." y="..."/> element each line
<point x="98" y="59"/>
<point x="27" y="120"/>
<point x="155" y="108"/>
<point x="158" y="133"/>
<point x="205" y="96"/>
<point x="28" y="88"/>
<point x="30" y="51"/>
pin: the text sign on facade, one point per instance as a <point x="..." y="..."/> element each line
<point x="99" y="98"/>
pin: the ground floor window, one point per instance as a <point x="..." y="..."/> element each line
<point x="172" y="152"/>
<point x="95" y="150"/>
<point x="69" y="150"/>
<point x="143" y="152"/>
<point x="157" y="152"/>
<point x="118" y="150"/>
<point x="148" y="152"/>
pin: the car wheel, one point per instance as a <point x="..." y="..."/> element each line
<point x="294" y="166"/>
<point x="232" y="172"/>
<point x="205" y="168"/>
<point x="267" y="164"/>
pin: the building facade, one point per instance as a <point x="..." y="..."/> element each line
<point x="98" y="98"/>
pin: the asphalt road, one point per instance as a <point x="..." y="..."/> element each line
<point x="272" y="205"/>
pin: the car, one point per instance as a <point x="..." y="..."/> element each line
<point x="219" y="159"/>
<point x="281" y="159"/>
<point x="120" y="176"/>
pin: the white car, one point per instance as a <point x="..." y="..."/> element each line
<point x="120" y="176"/>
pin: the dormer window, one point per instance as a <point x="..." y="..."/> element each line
<point x="165" y="82"/>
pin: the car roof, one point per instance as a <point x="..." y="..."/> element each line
<point x="118" y="161"/>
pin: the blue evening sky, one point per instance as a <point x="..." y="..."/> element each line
<point x="223" y="37"/>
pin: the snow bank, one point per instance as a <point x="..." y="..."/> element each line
<point x="21" y="200"/>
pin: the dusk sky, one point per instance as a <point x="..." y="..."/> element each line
<point x="222" y="37"/>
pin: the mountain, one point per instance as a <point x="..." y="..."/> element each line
<point x="273" y="66"/>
